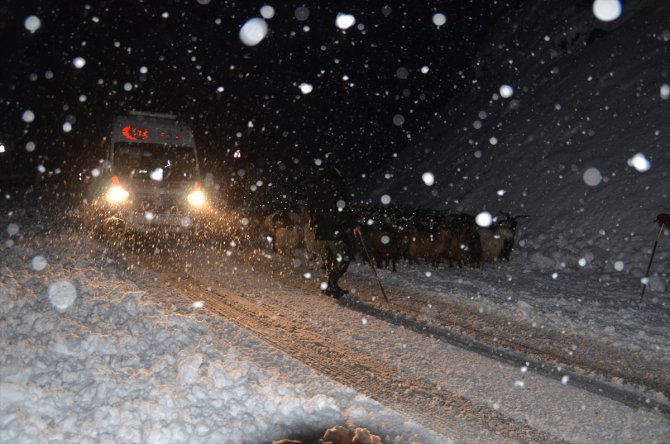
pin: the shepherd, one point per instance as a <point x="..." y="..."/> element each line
<point x="332" y="221"/>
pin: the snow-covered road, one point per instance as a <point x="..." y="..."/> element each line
<point x="142" y="353"/>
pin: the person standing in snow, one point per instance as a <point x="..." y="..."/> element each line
<point x="332" y="221"/>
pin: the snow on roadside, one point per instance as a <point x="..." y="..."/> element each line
<point x="112" y="362"/>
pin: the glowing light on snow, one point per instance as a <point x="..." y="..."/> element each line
<point x="424" y="70"/>
<point x="307" y="275"/>
<point x="345" y="21"/>
<point x="554" y="275"/>
<point x="301" y="13"/>
<point x="39" y="263"/>
<point x="253" y="31"/>
<point x="156" y="174"/>
<point x="32" y="23"/>
<point x="501" y="192"/>
<point x="484" y="219"/>
<point x="439" y="19"/>
<point x="61" y="295"/>
<point x="198" y="304"/>
<point x="386" y="199"/>
<point x="506" y="91"/>
<point x="619" y="265"/>
<point x="565" y="379"/>
<point x="149" y="216"/>
<point x="67" y="127"/>
<point x="428" y="178"/>
<point x="665" y="91"/>
<point x="639" y="162"/>
<point x="79" y="62"/>
<point x="398" y="120"/>
<point x="28" y="116"/>
<point x="592" y="177"/>
<point x="582" y="262"/>
<point x="30" y="147"/>
<point x="305" y="88"/>
<point x="267" y="12"/>
<point x="607" y="10"/>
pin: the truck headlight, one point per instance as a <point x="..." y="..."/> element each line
<point x="117" y="195"/>
<point x="197" y="199"/>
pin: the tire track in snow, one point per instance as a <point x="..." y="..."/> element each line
<point x="428" y="404"/>
<point x="550" y="353"/>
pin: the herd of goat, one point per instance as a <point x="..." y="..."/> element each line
<point x="416" y="236"/>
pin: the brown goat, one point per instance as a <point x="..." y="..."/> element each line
<point x="387" y="246"/>
<point x="419" y="244"/>
<point x="447" y="245"/>
<point x="285" y="230"/>
<point x="458" y="241"/>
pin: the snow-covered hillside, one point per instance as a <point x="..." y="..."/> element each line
<point x="579" y="142"/>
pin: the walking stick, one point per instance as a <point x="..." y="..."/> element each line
<point x="357" y="232"/>
<point x="653" y="250"/>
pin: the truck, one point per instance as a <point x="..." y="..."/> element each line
<point x="150" y="178"/>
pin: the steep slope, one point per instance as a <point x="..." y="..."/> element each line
<point x="587" y="97"/>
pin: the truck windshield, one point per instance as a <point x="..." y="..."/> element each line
<point x="154" y="161"/>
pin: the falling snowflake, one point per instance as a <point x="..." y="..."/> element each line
<point x="79" y="62"/>
<point x="267" y="12"/>
<point x="345" y="21"/>
<point x="305" y="88"/>
<point x="28" y="116"/>
<point x="32" y="23"/>
<point x="607" y="10"/>
<point x="428" y="178"/>
<point x="253" y="31"/>
<point x="506" y="91"/>
<point x="62" y="295"/>
<point x="592" y="177"/>
<point x="439" y="19"/>
<point x="640" y="162"/>
<point x="484" y="219"/>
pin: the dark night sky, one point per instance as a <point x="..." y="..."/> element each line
<point x="196" y="49"/>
